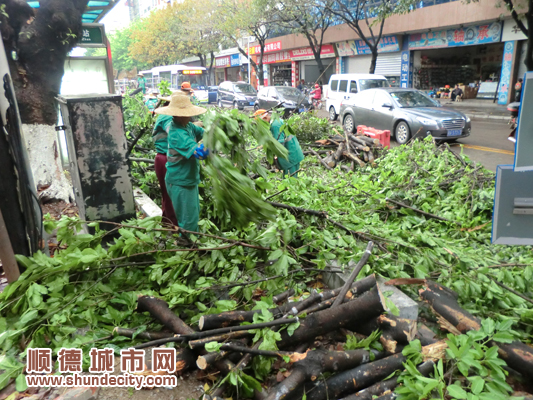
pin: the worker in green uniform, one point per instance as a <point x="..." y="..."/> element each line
<point x="291" y="165"/>
<point x="183" y="169"/>
<point x="141" y="81"/>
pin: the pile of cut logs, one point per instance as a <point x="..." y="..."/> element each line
<point x="346" y="151"/>
<point x="358" y="307"/>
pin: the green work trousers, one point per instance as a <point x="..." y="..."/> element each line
<point x="291" y="170"/>
<point x="186" y="203"/>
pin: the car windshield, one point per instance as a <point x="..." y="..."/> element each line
<point x="365" y="84"/>
<point x="408" y="99"/>
<point x="289" y="91"/>
<point x="244" y="88"/>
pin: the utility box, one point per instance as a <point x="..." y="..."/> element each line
<point x="94" y="127"/>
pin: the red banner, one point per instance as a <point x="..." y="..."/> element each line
<point x="306" y="53"/>
<point x="282" y="56"/>
<point x="269" y="48"/>
<point x="223" y="62"/>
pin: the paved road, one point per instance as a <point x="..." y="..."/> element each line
<point x="487" y="144"/>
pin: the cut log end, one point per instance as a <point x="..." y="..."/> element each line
<point x="201" y="323"/>
<point x="435" y="352"/>
<point x="201" y="363"/>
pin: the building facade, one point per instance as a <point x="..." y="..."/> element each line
<point x="437" y="45"/>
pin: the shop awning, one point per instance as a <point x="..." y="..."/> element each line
<point x="96" y="9"/>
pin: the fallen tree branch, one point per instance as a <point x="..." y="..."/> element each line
<point x="321" y="160"/>
<point x="420" y="211"/>
<point x="510" y="290"/>
<point x="353" y="275"/>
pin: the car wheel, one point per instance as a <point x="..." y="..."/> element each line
<point x="332" y="114"/>
<point x="256" y="107"/>
<point x="219" y="103"/>
<point x="235" y="105"/>
<point x="348" y="123"/>
<point x="402" y="132"/>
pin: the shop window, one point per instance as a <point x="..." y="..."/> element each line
<point x="334" y="85"/>
<point x="343" y="85"/>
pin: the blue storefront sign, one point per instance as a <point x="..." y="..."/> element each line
<point x="235" y="60"/>
<point x="406" y="77"/>
<point x="466" y="36"/>
<point x="387" y="44"/>
<point x="505" y="78"/>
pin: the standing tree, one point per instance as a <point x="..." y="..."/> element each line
<point x="353" y="12"/>
<point x="154" y="40"/>
<point x="37" y="43"/>
<point x="201" y="35"/>
<point x="306" y="18"/>
<point x="253" y="18"/>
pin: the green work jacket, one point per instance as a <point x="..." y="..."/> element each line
<point x="183" y="168"/>
<point x="160" y="133"/>
<point x="290" y="143"/>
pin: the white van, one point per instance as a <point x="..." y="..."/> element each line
<point x="343" y="86"/>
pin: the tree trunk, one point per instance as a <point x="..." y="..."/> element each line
<point x="313" y="365"/>
<point x="351" y="381"/>
<point x="380" y="388"/>
<point x="361" y="309"/>
<point x="452" y="317"/>
<point x="40" y="51"/>
<point x="212" y="61"/>
<point x="374" y="50"/>
<point x="529" y="51"/>
<point x="36" y="50"/>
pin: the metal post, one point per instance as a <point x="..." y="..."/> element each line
<point x="7" y="255"/>
<point x="249" y="66"/>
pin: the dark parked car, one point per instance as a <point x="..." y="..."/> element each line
<point x="289" y="97"/>
<point x="212" y="92"/>
<point x="404" y="112"/>
<point x="239" y="95"/>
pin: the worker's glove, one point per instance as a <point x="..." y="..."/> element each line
<point x="201" y="152"/>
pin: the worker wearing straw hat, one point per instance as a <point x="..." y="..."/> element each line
<point x="183" y="172"/>
<point x="160" y="136"/>
<point x="291" y="165"/>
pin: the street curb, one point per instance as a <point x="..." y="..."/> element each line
<point x="485" y="116"/>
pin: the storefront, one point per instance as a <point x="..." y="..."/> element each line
<point x="280" y="69"/>
<point x="233" y="70"/>
<point x="357" y="58"/>
<point x="308" y="67"/>
<point x="467" y="56"/>
<point x="221" y="63"/>
<point x="255" y="52"/>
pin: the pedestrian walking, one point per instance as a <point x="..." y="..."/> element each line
<point x="183" y="155"/>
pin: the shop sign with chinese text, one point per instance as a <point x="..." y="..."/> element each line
<point x="235" y="60"/>
<point x="505" y="77"/>
<point x="387" y="44"/>
<point x="282" y="56"/>
<point x="269" y="48"/>
<point x="306" y="53"/>
<point x="467" y="36"/>
<point x="222" y="62"/>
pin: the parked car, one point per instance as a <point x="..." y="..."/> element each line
<point x="212" y="92"/>
<point x="239" y="95"/>
<point x="343" y="86"/>
<point x="404" y="112"/>
<point x="288" y="97"/>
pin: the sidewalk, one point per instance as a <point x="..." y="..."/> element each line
<point x="475" y="108"/>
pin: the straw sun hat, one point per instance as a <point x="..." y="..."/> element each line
<point x="180" y="106"/>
